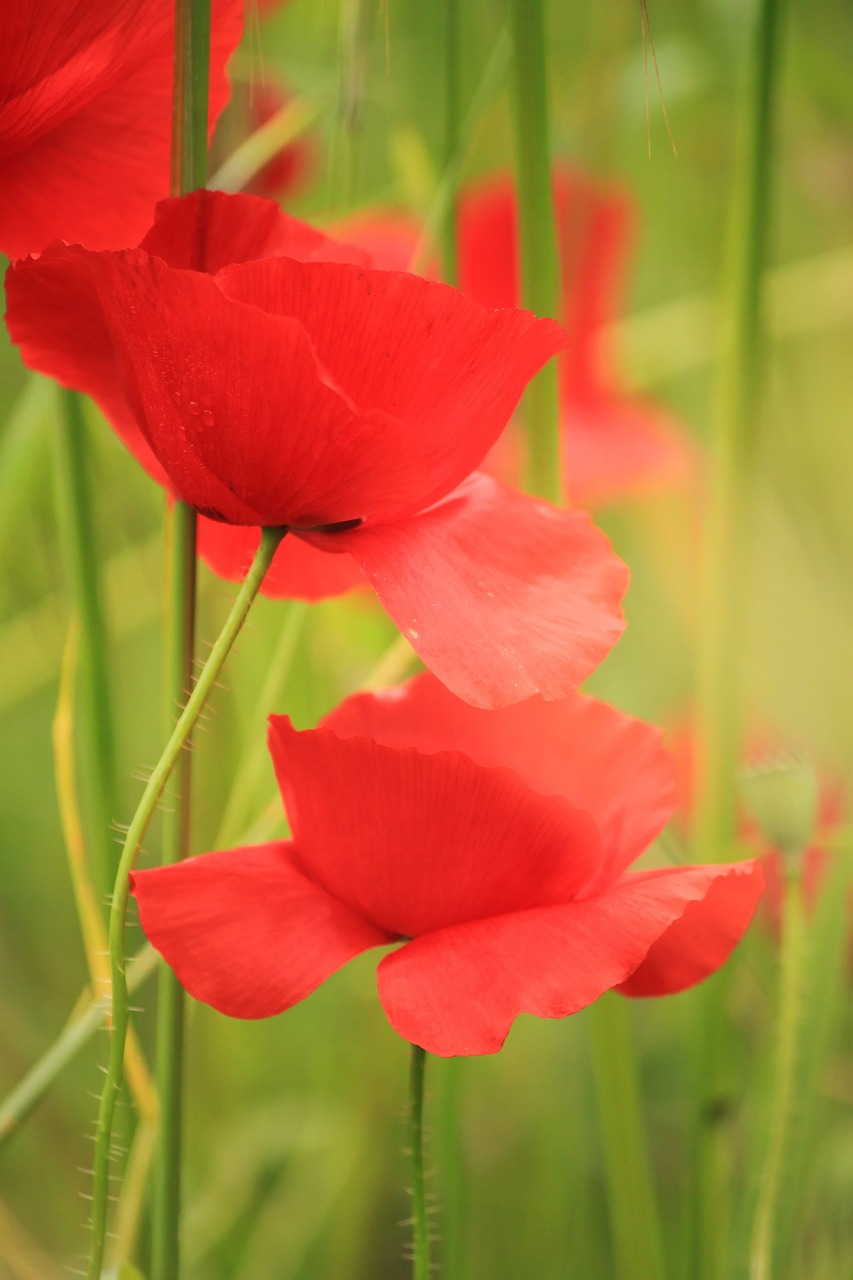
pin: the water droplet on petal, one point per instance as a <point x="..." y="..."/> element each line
<point x="193" y="408"/>
<point x="208" y="418"/>
<point x="176" y="396"/>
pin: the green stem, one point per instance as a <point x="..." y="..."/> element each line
<point x="190" y="113"/>
<point x="765" y="1227"/>
<point x="136" y="832"/>
<point x="735" y="436"/>
<point x="420" y="1225"/>
<point x="724" y="605"/>
<point x="25" y="1097"/>
<point x="166" y="1196"/>
<point x="77" y="536"/>
<point x="634" y="1218"/>
<point x="451" y="11"/>
<point x="537" y="234"/>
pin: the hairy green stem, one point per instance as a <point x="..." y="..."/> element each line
<point x="420" y="1224"/>
<point x="25" y="1097"/>
<point x="632" y="1203"/>
<point x="136" y="832"/>
<point x="75" y="503"/>
<point x="537" y="235"/>
<point x="727" y="554"/>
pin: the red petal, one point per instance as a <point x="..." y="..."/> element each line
<point x="242" y="418"/>
<point x="418" y="842"/>
<point x="701" y="940"/>
<point x="245" y="931"/>
<point x="54" y="314"/>
<point x="420" y="351"/>
<point x="298" y="571"/>
<point x="458" y="991"/>
<point x="209" y="230"/>
<point x="501" y="595"/>
<point x="607" y="763"/>
<point x="85" y="128"/>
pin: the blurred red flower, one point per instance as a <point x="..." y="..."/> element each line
<point x="615" y="445"/>
<point x="493" y="844"/>
<point x="348" y="404"/>
<point x="86" y="116"/>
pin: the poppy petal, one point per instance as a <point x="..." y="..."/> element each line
<point x="268" y="440"/>
<point x="85" y="125"/>
<point x="611" y="765"/>
<point x="298" y="571"/>
<point x="245" y="931"/>
<point x="704" y="937"/>
<point x="458" y="991"/>
<point x="501" y="595"/>
<point x="54" y="315"/>
<point x="209" y="230"/>
<point x="418" y="350"/>
<point x="418" y="842"/>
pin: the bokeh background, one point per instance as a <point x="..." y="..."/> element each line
<point x="295" y="1166"/>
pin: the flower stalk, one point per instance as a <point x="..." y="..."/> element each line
<point x="133" y="841"/>
<point x="78" y="538"/>
<point x="727" y="556"/>
<point x="189" y="171"/>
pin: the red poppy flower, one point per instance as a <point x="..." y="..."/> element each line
<point x="615" y="445"/>
<point x="86" y="116"/>
<point x="494" y="845"/>
<point x="348" y="404"/>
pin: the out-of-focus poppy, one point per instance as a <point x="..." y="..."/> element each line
<point x="86" y="116"/>
<point x="494" y="845"/>
<point x="348" y="404"/>
<point x="616" y="445"/>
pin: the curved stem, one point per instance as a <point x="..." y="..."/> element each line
<point x="136" y="832"/>
<point x="420" y="1226"/>
<point x="538" y="242"/>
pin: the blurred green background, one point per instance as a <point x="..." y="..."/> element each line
<point x="295" y="1166"/>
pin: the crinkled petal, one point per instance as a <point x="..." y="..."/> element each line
<point x="298" y="571"/>
<point x="244" y="421"/>
<point x="459" y="990"/>
<point x="418" y="842"/>
<point x="501" y="595"/>
<point x="703" y="938"/>
<point x="611" y="765"/>
<point x="85" y="116"/>
<point x="245" y="931"/>
<point x="209" y="230"/>
<point x="54" y="315"/>
<point x="412" y="348"/>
